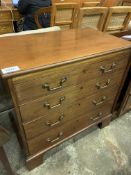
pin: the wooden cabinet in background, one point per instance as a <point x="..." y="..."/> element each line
<point x="6" y="24"/>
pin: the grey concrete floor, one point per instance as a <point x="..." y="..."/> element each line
<point x="93" y="152"/>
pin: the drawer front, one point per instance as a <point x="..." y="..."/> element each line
<point x="46" y="124"/>
<point x="33" y="86"/>
<point x="44" y="141"/>
<point x="5" y="15"/>
<point x="6" y="27"/>
<point x="107" y="85"/>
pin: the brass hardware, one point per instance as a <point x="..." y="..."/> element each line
<point x="104" y="70"/>
<point x="56" y="139"/>
<point x="46" y="104"/>
<point x="99" y="103"/>
<point x="47" y="86"/>
<point x="99" y="115"/>
<point x="56" y="123"/>
<point x="104" y="86"/>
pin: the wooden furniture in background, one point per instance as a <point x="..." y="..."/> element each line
<point x="4" y="138"/>
<point x="79" y="2"/>
<point x="118" y="19"/>
<point x="111" y="3"/>
<point x="68" y="81"/>
<point x="126" y="2"/>
<point x="93" y="17"/>
<point x="6" y="23"/>
<point x="40" y="12"/>
<point x="90" y="4"/>
<point x="8" y="15"/>
<point x="64" y="15"/>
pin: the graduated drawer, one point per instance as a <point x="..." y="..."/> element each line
<point x="35" y="85"/>
<point x="5" y="15"/>
<point x="70" y="95"/>
<point x="46" y="124"/>
<point x="6" y="27"/>
<point x="56" y="135"/>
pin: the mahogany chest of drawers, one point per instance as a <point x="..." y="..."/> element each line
<point x="68" y="81"/>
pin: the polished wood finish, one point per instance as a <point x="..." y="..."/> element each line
<point x="62" y="88"/>
<point x="30" y="87"/>
<point x="118" y="19"/>
<point x="93" y="17"/>
<point x="28" y="48"/>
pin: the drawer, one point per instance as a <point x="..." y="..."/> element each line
<point x="45" y="124"/>
<point x="6" y="27"/>
<point x="46" y="140"/>
<point x="5" y="15"/>
<point x="35" y="85"/>
<point x="70" y="95"/>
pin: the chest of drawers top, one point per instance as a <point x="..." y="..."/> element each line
<point x="41" y="51"/>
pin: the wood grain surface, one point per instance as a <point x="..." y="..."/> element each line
<point x="35" y="52"/>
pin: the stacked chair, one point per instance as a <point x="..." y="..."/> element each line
<point x="70" y="15"/>
<point x="118" y="19"/>
<point x="64" y="15"/>
<point x="92" y="17"/>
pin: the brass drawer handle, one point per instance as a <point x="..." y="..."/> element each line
<point x="56" y="123"/>
<point x="99" y="115"/>
<point x="99" y="86"/>
<point x="104" y="70"/>
<point x="46" y="104"/>
<point x="47" y="86"/>
<point x="99" y="103"/>
<point x="56" y="139"/>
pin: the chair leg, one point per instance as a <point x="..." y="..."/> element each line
<point x="5" y="162"/>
